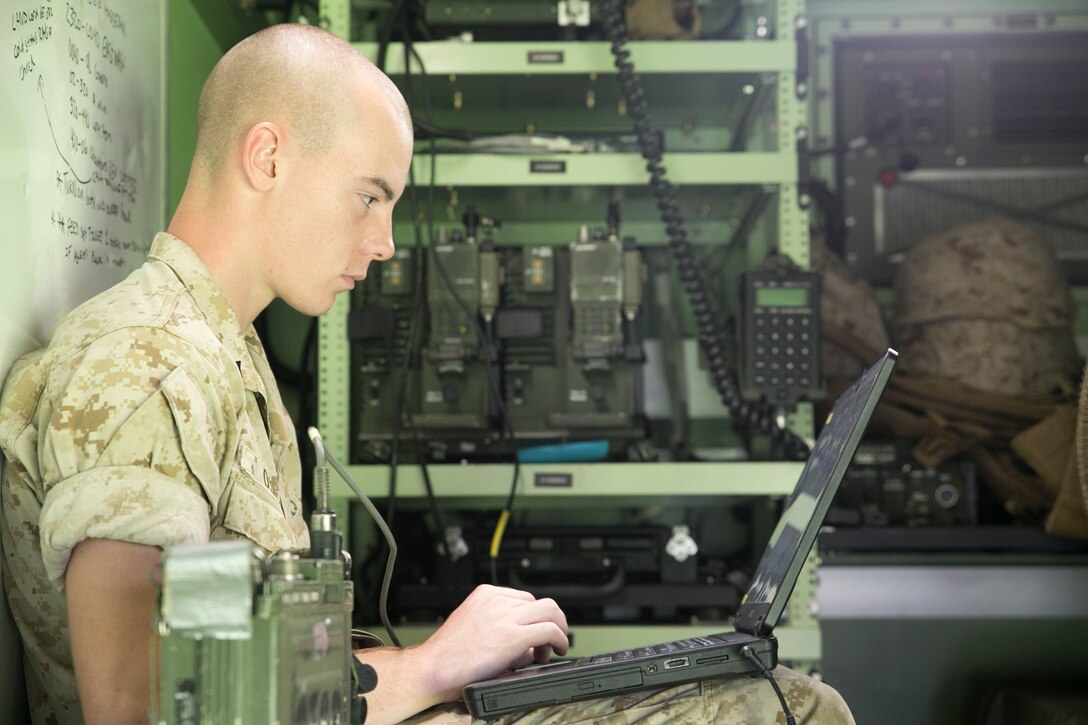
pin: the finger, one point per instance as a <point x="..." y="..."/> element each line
<point x="542" y="654"/>
<point x="547" y="634"/>
<point x="523" y="661"/>
<point x="541" y="610"/>
<point x="490" y="589"/>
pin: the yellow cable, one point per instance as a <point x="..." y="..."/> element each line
<point x="500" y="527"/>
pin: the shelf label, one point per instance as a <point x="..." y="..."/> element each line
<point x="553" y="57"/>
<point x="554" y="480"/>
<point x="541" y="166"/>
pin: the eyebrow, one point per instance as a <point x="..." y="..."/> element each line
<point x="380" y="183"/>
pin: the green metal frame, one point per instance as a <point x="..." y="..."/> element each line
<point x="487" y="485"/>
<point x="793" y="223"/>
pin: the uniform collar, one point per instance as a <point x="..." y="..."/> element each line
<point x="211" y="301"/>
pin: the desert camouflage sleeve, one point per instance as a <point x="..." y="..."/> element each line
<point x="129" y="447"/>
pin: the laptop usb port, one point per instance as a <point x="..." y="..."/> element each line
<point x="676" y="662"/>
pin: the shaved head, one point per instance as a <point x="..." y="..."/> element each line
<point x="296" y="75"/>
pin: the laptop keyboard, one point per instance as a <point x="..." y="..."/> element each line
<point x="680" y="645"/>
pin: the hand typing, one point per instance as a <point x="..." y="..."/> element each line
<point x="493" y="630"/>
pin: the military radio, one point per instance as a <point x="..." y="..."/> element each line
<point x="243" y="637"/>
<point x="462" y="294"/>
<point x="512" y="345"/>
<point x="379" y="326"/>
<point x="604" y="368"/>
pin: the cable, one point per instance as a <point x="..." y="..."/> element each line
<point x="386" y="33"/>
<point x="361" y="635"/>
<point x="402" y="380"/>
<point x="401" y="374"/>
<point x="429" y="130"/>
<point x="383" y="597"/>
<point x="759" y="416"/>
<point x="482" y="331"/>
<point x="830" y="205"/>
<point x="748" y="652"/>
<point x="740" y="132"/>
<point x="432" y="501"/>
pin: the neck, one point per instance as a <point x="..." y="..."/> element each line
<point x="223" y="238"/>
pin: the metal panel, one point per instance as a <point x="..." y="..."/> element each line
<point x="953" y="592"/>
<point x="978" y="39"/>
<point x="604" y="169"/>
<point x="649" y="56"/>
<point x="612" y="481"/>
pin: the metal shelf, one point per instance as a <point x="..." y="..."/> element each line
<point x="602" y="484"/>
<point x="794" y="643"/>
<point x="481" y="484"/>
<point x="605" y="169"/>
<point x="583" y="57"/>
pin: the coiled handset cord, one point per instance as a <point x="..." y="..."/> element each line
<point x="759" y="417"/>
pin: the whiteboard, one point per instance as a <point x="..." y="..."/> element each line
<point x="82" y="155"/>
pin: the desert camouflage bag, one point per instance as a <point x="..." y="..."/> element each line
<point x="984" y="304"/>
<point x="984" y="328"/>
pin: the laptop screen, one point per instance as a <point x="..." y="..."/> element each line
<point x="804" y="514"/>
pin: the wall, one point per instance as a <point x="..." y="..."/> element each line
<point x="192" y="53"/>
<point x="197" y="31"/>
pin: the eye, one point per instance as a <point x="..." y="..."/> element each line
<point x="368" y="199"/>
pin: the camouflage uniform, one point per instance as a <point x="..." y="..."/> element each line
<point x="150" y="417"/>
<point x="737" y="700"/>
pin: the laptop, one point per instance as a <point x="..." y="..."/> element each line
<point x="751" y="647"/>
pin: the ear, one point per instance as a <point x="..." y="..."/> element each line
<point x="261" y="152"/>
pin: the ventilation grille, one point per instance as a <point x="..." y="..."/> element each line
<point x="1053" y="202"/>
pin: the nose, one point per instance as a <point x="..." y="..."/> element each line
<point x="378" y="244"/>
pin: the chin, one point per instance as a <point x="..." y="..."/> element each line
<point x="311" y="307"/>
<point x="322" y="308"/>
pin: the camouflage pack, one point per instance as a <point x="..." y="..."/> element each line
<point x="658" y="20"/>
<point x="984" y="304"/>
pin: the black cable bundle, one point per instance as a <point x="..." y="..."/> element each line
<point x="757" y="417"/>
<point x="398" y="19"/>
